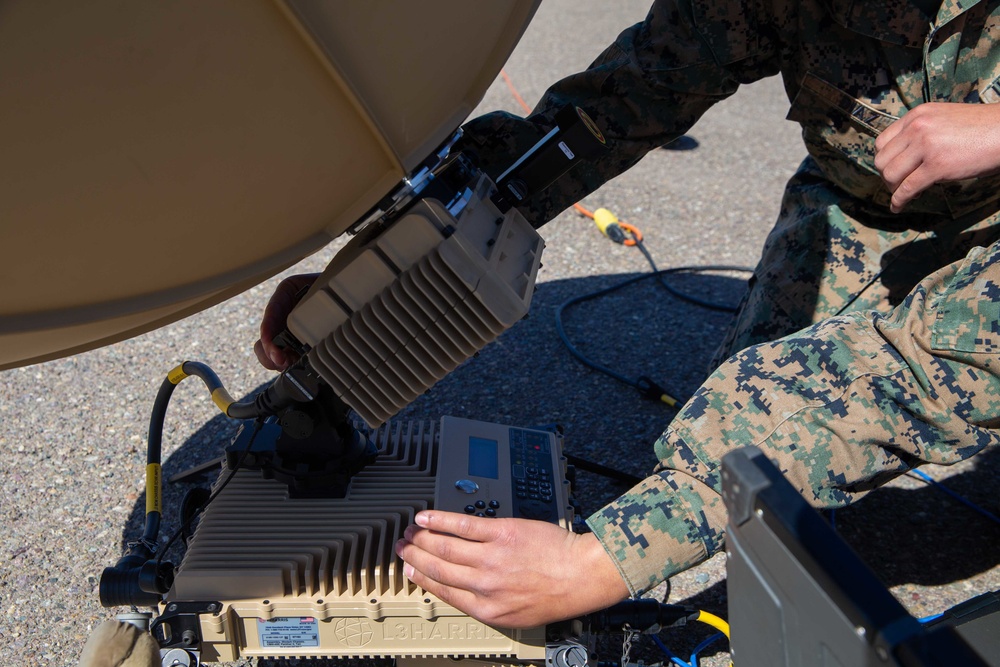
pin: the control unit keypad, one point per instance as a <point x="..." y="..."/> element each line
<point x="483" y="508"/>
<point x="499" y="471"/>
<point x="532" y="476"/>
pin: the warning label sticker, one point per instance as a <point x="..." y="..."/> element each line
<point x="288" y="632"/>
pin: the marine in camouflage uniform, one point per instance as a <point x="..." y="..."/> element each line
<point x="897" y="365"/>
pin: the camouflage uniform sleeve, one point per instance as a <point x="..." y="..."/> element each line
<point x="645" y="90"/>
<point x="841" y="407"/>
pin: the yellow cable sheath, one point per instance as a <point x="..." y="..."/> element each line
<point x="222" y="399"/>
<point x="669" y="400"/>
<point x="177" y="374"/>
<point x="154" y="499"/>
<point x="714" y="621"/>
<point x="603" y="218"/>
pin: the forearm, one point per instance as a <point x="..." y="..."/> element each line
<point x="663" y="525"/>
<point x="841" y="407"/>
<point x="645" y="90"/>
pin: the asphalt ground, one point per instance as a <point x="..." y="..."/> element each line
<point x="73" y="431"/>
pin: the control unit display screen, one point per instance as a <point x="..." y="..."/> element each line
<point x="500" y="471"/>
<point x="484" y="458"/>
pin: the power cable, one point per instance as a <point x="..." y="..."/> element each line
<point x="185" y="526"/>
<point x="643" y="384"/>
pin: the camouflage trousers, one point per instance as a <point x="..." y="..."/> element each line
<point x="901" y="367"/>
<point x="828" y="256"/>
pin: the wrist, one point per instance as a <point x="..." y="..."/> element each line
<point x="600" y="574"/>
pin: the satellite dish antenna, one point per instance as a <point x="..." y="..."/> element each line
<point x="159" y="158"/>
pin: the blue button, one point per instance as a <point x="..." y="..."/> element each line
<point x="466" y="486"/>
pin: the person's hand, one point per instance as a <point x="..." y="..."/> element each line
<point x="272" y="323"/>
<point x="515" y="573"/>
<point x="937" y="142"/>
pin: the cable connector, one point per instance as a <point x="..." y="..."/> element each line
<point x="653" y="391"/>
<point x="609" y="225"/>
<point x="643" y="615"/>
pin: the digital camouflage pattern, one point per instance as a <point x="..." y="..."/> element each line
<point x="856" y="399"/>
<point x="841" y="407"/>
<point x="849" y="69"/>
<point x="825" y="256"/>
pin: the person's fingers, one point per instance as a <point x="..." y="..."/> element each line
<point x="280" y="305"/>
<point x="447" y="547"/>
<point x="938" y="143"/>
<point x="899" y="162"/>
<point x="263" y="358"/>
<point x="915" y="183"/>
<point x="518" y="573"/>
<point x="457" y="597"/>
<point x="479" y="529"/>
<point x="421" y="566"/>
<point x="902" y="165"/>
<point x="277" y="358"/>
<point x="888" y="134"/>
<point x="286" y="296"/>
<point x="888" y="153"/>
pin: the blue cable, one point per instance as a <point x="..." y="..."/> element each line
<point x="694" y="653"/>
<point x="672" y="658"/>
<point x="702" y="646"/>
<point x="929" y="619"/>
<point x="968" y="503"/>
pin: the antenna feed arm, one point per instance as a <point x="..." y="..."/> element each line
<point x="574" y="138"/>
<point x="439" y="270"/>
